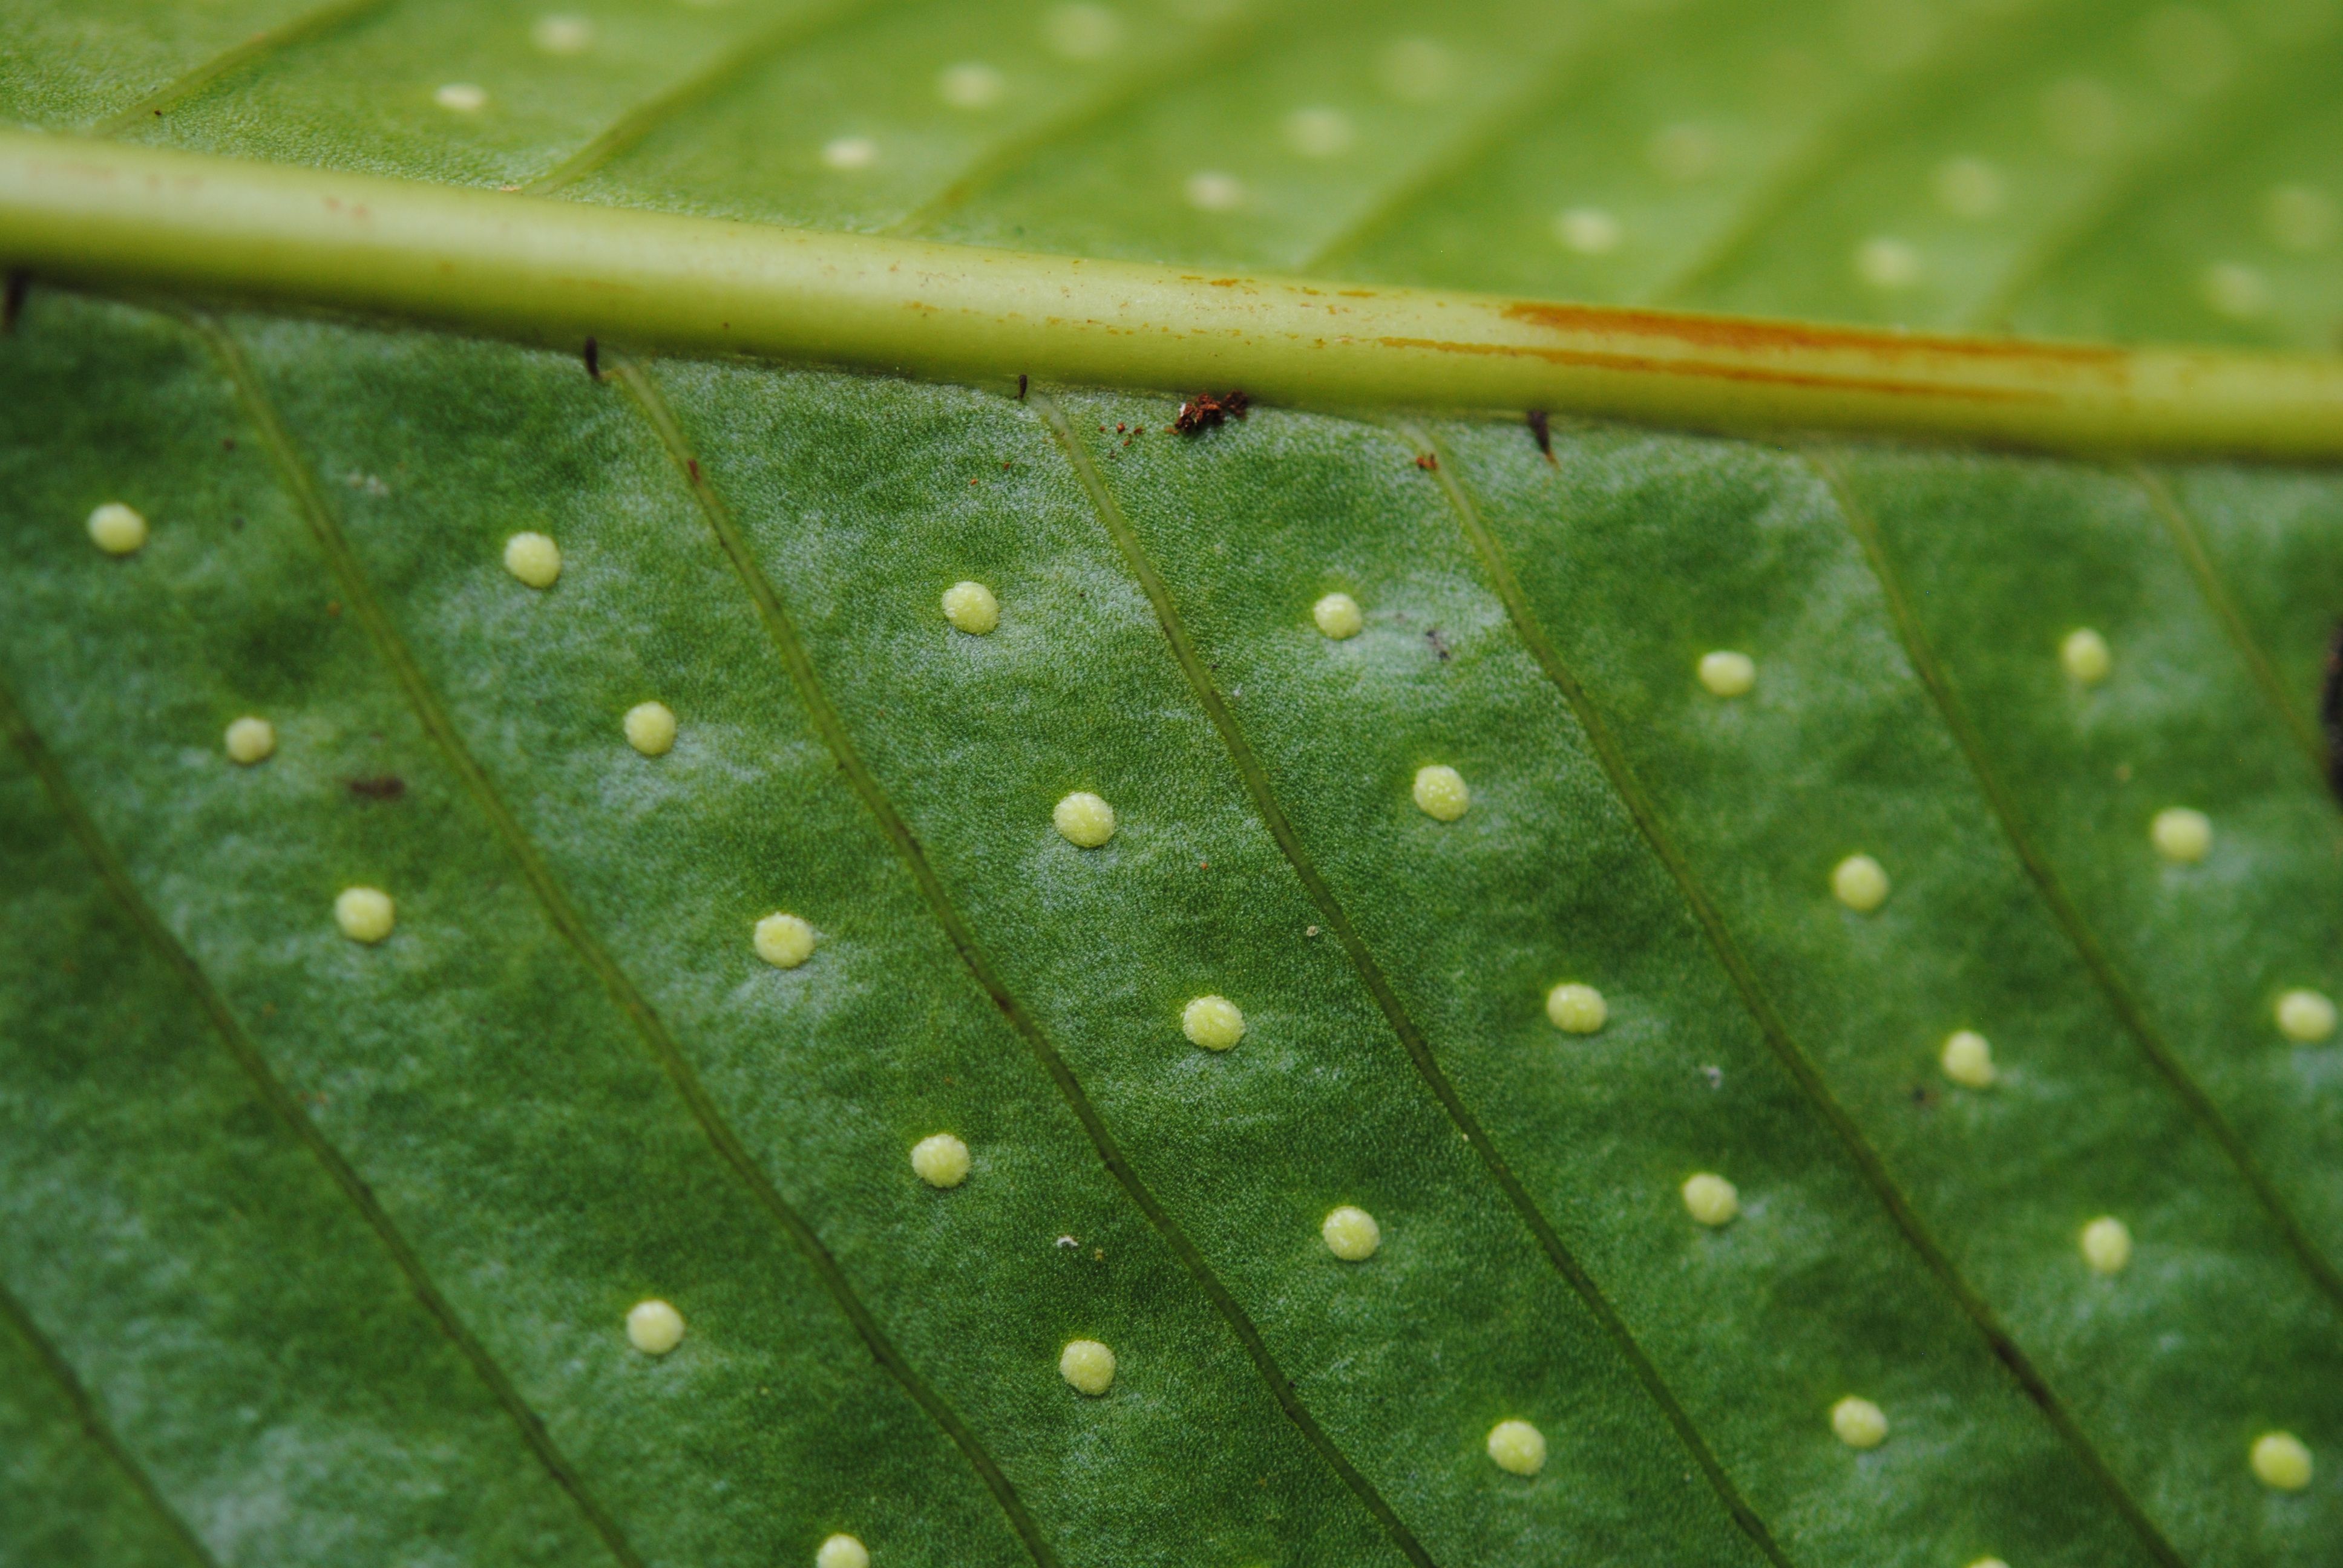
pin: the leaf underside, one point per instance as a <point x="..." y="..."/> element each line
<point x="313" y="1251"/>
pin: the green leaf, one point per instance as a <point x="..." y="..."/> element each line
<point x="318" y="1250"/>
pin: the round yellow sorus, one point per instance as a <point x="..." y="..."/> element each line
<point x="1351" y="1234"/>
<point x="651" y="728"/>
<point x="2306" y="1016"/>
<point x="1338" y="615"/>
<point x="365" y="914"/>
<point x="2085" y="656"/>
<point x="1087" y="1365"/>
<point x="2281" y="1462"/>
<point x="1440" y="792"/>
<point x="2182" y="835"/>
<point x="1968" y="1060"/>
<point x="1728" y="674"/>
<point x="250" y="741"/>
<point x="1084" y="819"/>
<point x="1518" y="1447"/>
<point x="1859" y="883"/>
<point x="1711" y="1199"/>
<point x="784" y="940"/>
<point x="116" y="529"/>
<point x="2106" y="1245"/>
<point x="654" y="1328"/>
<point x="1212" y="1022"/>
<point x="1858" y="1423"/>
<point x="1576" y="1008"/>
<point x="940" y="1161"/>
<point x="970" y="607"/>
<point x="842" y="1552"/>
<point x="534" y="558"/>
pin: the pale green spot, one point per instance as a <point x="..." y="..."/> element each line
<point x="654" y="1328"/>
<point x="1858" y="1423"/>
<point x="365" y="914"/>
<point x="1088" y="1366"/>
<point x="1518" y="1447"/>
<point x="250" y="741"/>
<point x="1711" y="1199"/>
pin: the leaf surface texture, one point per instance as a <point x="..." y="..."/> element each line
<point x="322" y="1251"/>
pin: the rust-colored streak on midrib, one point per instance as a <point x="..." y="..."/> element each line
<point x="1709" y="370"/>
<point x="1762" y="337"/>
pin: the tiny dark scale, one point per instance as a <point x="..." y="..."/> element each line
<point x="1543" y="429"/>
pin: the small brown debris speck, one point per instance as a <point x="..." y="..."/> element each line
<point x="1021" y="387"/>
<point x="1541" y="428"/>
<point x="1426" y="461"/>
<point x="693" y="464"/>
<point x="388" y="786"/>
<point x="228" y="443"/>
<point x="593" y="359"/>
<point x="1438" y="643"/>
<point x="333" y="606"/>
<point x="1204" y="410"/>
